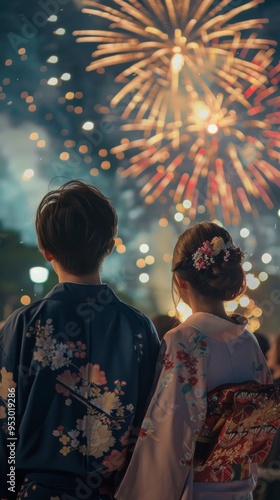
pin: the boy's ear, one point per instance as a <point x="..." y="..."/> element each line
<point x="47" y="255"/>
<point x="111" y="246"/>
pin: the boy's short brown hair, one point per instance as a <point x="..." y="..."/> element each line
<point x="76" y="223"/>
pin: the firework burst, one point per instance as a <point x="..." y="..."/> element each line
<point x="202" y="99"/>
<point x="172" y="48"/>
<point x="225" y="157"/>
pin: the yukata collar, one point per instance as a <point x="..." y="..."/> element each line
<point x="214" y="326"/>
<point x="78" y="292"/>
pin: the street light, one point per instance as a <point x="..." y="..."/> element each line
<point x="38" y="276"/>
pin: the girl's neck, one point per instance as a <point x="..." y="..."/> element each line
<point x="211" y="307"/>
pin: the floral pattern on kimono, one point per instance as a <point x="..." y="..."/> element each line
<point x="87" y="384"/>
<point x="180" y="389"/>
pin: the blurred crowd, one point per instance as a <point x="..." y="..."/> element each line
<point x="268" y="485"/>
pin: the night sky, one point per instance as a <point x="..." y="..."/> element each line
<point x="43" y="144"/>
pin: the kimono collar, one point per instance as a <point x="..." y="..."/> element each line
<point x="76" y="292"/>
<point x="214" y="326"/>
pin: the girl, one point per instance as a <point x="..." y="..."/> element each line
<point x="209" y="349"/>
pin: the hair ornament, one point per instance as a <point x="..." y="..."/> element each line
<point x="211" y="252"/>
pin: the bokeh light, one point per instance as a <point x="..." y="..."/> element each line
<point x="266" y="258"/>
<point x="144" y="278"/>
<point x="244" y="232"/>
<point x="144" y="248"/>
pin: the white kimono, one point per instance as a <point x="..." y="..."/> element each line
<point x="202" y="353"/>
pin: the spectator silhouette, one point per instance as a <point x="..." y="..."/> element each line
<point x="263" y="342"/>
<point x="268" y="486"/>
<point x="164" y="323"/>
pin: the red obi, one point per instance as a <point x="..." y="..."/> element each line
<point x="241" y="423"/>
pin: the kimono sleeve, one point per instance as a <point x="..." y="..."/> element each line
<point x="161" y="465"/>
<point x="153" y="345"/>
<point x="261" y="371"/>
<point x="8" y="405"/>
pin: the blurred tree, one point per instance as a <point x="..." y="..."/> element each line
<point x="15" y="261"/>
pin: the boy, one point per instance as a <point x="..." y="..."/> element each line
<point x="76" y="366"/>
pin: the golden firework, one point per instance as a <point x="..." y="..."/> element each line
<point x="225" y="156"/>
<point x="171" y="48"/>
<point x="198" y="85"/>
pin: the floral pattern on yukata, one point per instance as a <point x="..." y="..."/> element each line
<point x="49" y="352"/>
<point x="182" y="363"/>
<point x="186" y="360"/>
<point x="105" y="411"/>
<point x="25" y="489"/>
<point x="138" y="345"/>
<point x="6" y="383"/>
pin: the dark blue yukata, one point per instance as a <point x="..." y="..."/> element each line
<point x="76" y="371"/>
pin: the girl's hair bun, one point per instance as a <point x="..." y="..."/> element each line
<point x="207" y="258"/>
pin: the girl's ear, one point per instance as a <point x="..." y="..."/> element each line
<point x="183" y="289"/>
<point x="181" y="283"/>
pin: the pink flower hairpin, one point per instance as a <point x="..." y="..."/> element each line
<point x="205" y="256"/>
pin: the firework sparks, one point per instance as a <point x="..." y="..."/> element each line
<point x="173" y="48"/>
<point x="199" y="83"/>
<point x="226" y="156"/>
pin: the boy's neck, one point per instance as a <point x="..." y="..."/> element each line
<point x="87" y="279"/>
